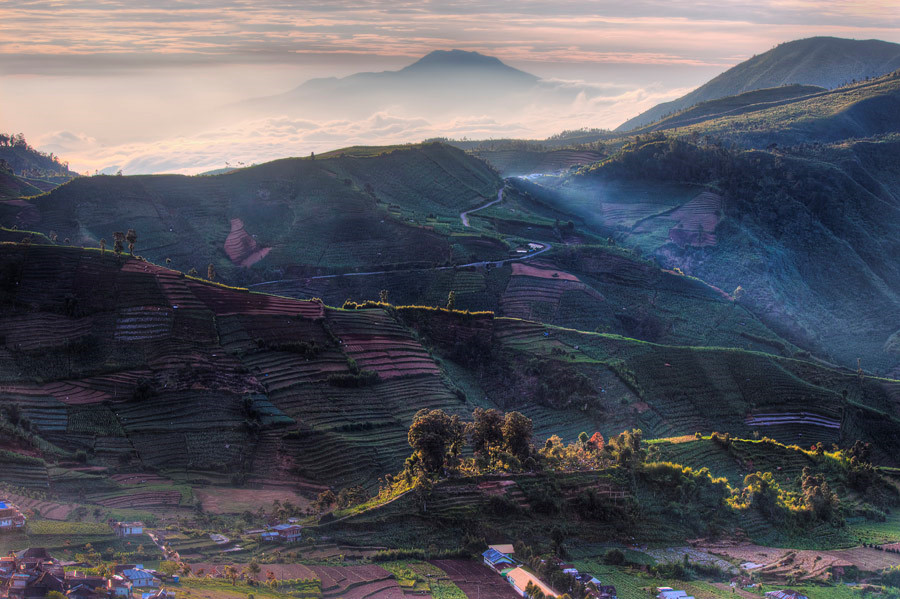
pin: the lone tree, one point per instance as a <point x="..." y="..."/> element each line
<point x="103" y="245"/>
<point x="118" y="242"/>
<point x="486" y="430"/>
<point x="193" y="272"/>
<point x="451" y="300"/>
<point x="435" y="436"/>
<point x="517" y="431"/>
<point x="383" y="296"/>
<point x="131" y="238"/>
<point x="210" y="272"/>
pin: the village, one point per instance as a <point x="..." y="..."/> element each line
<point x="34" y="573"/>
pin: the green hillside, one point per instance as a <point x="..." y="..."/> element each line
<point x="728" y="106"/>
<point x="821" y="61"/>
<point x="295" y="216"/>
<point x="805" y="234"/>
<point x="12" y="186"/>
<point x="859" y="110"/>
<point x="121" y="359"/>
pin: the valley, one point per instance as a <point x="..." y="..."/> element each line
<point x="608" y="364"/>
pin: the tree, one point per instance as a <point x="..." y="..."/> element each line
<point x="210" y="272"/>
<point x="168" y="568"/>
<point x="118" y="242"/>
<point x="193" y="272"/>
<point x="435" y="436"/>
<point x="103" y="245"/>
<point x="131" y="237"/>
<point x="517" y="431"/>
<point x="451" y="300"/>
<point x="596" y="441"/>
<point x="231" y="574"/>
<point x="253" y="568"/>
<point x="325" y="500"/>
<point x="486" y="430"/>
<point x="383" y="296"/>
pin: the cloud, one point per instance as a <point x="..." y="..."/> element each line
<point x="42" y="36"/>
<point x="258" y="140"/>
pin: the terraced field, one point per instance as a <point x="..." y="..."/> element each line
<point x="475" y="579"/>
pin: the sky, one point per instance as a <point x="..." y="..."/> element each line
<point x="146" y="86"/>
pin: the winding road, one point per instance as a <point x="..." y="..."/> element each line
<point x="464" y="217"/>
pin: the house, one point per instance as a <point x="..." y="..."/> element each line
<point x="81" y="591"/>
<point x="76" y="578"/>
<point x="138" y="577"/>
<point x="290" y="533"/>
<point x="520" y="578"/>
<point x="10" y="517"/>
<point x="786" y="594"/>
<point x="269" y="536"/>
<point x="119" y="586"/>
<point x="603" y="592"/>
<point x="7" y="566"/>
<point x="506" y="548"/>
<point x="127" y="529"/>
<point x="497" y="561"/>
<point x="670" y="593"/>
<point x="160" y="594"/>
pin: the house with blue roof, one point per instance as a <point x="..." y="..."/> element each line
<point x="497" y="561"/>
<point x="10" y="517"/>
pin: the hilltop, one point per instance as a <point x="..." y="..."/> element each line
<point x="794" y="115"/>
<point x="820" y="61"/>
<point x="346" y="211"/>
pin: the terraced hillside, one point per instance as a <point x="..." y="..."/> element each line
<point x="353" y="210"/>
<point x="828" y="213"/>
<point x="122" y="360"/>
<point x="821" y="61"/>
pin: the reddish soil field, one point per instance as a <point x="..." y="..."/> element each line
<point x="220" y="500"/>
<point x="47" y="509"/>
<point x="779" y="564"/>
<point x="475" y="579"/>
<point x="544" y="273"/>
<point x="697" y="221"/>
<point x="240" y="246"/>
<point x="139" y="500"/>
<point x="346" y="582"/>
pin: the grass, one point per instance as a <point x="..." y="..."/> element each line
<point x="210" y="588"/>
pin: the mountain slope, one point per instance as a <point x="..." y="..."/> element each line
<point x="809" y="236"/>
<point x="859" y="110"/>
<point x="362" y="208"/>
<point x="142" y="367"/>
<point x="821" y="61"/>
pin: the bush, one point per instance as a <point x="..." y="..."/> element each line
<point x="364" y="378"/>
<point x="614" y="557"/>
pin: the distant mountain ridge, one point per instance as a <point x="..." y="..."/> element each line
<point x="821" y="61"/>
<point x="442" y="80"/>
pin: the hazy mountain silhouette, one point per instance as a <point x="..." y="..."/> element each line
<point x="445" y="81"/>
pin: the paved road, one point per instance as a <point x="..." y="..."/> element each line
<point x="547" y="247"/>
<point x="464" y="216"/>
